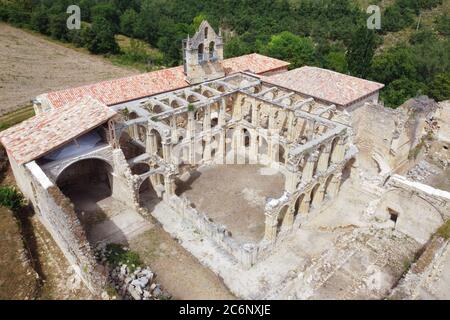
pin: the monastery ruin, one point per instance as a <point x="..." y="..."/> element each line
<point x="289" y="184"/>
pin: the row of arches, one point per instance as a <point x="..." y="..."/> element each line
<point x="306" y="202"/>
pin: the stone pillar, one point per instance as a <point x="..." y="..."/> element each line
<point x="240" y="146"/>
<point x="169" y="186"/>
<point x="318" y="196"/>
<point x="191" y="136"/>
<point x="223" y="107"/>
<point x="289" y="217"/>
<point x="339" y="151"/>
<point x="253" y="154"/>
<point x="322" y="166"/>
<point x="271" y="222"/>
<point x="304" y="205"/>
<point x="291" y="179"/>
<point x="309" y="167"/>
<point x="255" y="119"/>
<point x="173" y="129"/>
<point x="207" y="128"/>
<point x="290" y="136"/>
<point x="166" y="151"/>
<point x="150" y="145"/>
<point x="221" y="150"/>
<point x="333" y="187"/>
<point x="311" y="126"/>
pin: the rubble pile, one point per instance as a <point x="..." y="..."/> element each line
<point x="128" y="281"/>
<point x="422" y="171"/>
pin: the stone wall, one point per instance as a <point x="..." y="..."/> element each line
<point x="57" y="214"/>
<point x="246" y="254"/>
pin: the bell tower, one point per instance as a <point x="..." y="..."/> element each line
<point x="203" y="55"/>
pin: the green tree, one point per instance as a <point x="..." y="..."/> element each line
<point x="400" y="90"/>
<point x="336" y="61"/>
<point x="360" y="51"/>
<point x="443" y="24"/>
<point x="57" y="26"/>
<point x="39" y="20"/>
<point x="299" y="51"/>
<point x="128" y="22"/>
<point x="100" y="38"/>
<point x="439" y="88"/>
<point x="236" y="47"/>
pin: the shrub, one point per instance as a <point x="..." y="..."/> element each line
<point x="11" y="198"/>
<point x="117" y="255"/>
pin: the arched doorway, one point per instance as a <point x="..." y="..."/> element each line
<point x="147" y="194"/>
<point x="87" y="183"/>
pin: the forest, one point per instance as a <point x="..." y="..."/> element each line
<point x="326" y="33"/>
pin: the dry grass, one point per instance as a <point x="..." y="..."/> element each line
<point x="17" y="278"/>
<point x="444" y="230"/>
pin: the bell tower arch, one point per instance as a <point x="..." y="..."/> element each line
<point x="203" y="55"/>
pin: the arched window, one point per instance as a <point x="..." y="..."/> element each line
<point x="206" y="33"/>
<point x="200" y="52"/>
<point x="212" y="53"/>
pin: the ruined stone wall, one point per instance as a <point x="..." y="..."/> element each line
<point x="57" y="214"/>
<point x="392" y="138"/>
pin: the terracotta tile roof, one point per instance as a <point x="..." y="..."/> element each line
<point x="254" y="63"/>
<point x="47" y="131"/>
<point x="333" y="87"/>
<point x="147" y="84"/>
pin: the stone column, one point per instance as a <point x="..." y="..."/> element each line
<point x="322" y="166"/>
<point x="290" y="136"/>
<point x="255" y="119"/>
<point x="191" y="136"/>
<point x="207" y="128"/>
<point x="289" y="217"/>
<point x="253" y="154"/>
<point x="169" y="186"/>
<point x="173" y="129"/>
<point x="240" y="146"/>
<point x="304" y="205"/>
<point x="223" y="107"/>
<point x="318" y="196"/>
<point x="291" y="179"/>
<point x="309" y="167"/>
<point x="166" y="151"/>
<point x="151" y="143"/>
<point x="221" y="150"/>
<point x="271" y="222"/>
<point x="339" y="151"/>
<point x="333" y="188"/>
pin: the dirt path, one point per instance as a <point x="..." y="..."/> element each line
<point x="31" y="65"/>
<point x="177" y="270"/>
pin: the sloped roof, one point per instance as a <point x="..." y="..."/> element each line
<point x="327" y="85"/>
<point x="134" y="87"/>
<point x="47" y="131"/>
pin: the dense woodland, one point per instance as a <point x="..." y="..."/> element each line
<point x="325" y="33"/>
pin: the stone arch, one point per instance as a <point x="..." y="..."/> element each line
<point x="147" y="193"/>
<point x="298" y="203"/>
<point x="85" y="183"/>
<point x="201" y="49"/>
<point x="174" y="104"/>
<point x="327" y="186"/>
<point x="212" y="48"/>
<point x="280" y="218"/>
<point x="140" y="168"/>
<point x="314" y="194"/>
<point x="156" y="142"/>
<point x="334" y="144"/>
<point x="263" y="145"/>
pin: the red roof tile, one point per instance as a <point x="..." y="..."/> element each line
<point x="121" y="90"/>
<point x="333" y="87"/>
<point x="47" y="131"/>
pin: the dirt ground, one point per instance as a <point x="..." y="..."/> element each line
<point x="234" y="196"/>
<point x="31" y="65"/>
<point x="177" y="270"/>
